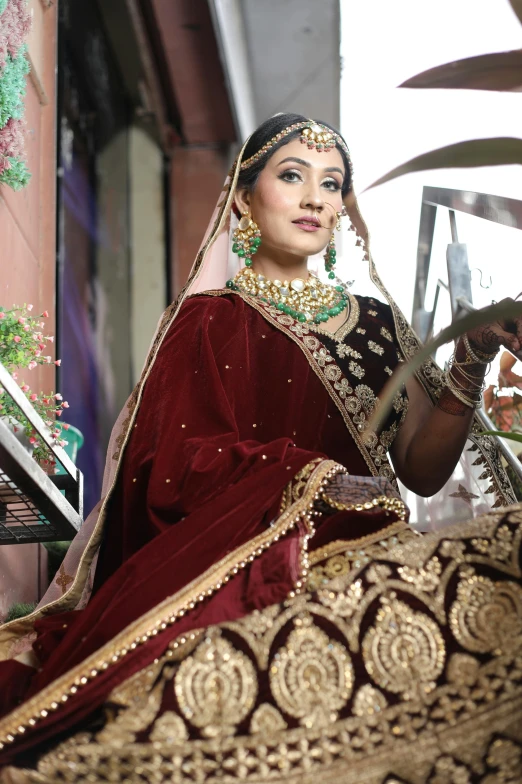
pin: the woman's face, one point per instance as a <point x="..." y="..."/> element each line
<point x="295" y="200"/>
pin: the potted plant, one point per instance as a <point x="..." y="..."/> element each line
<point x="24" y="346"/>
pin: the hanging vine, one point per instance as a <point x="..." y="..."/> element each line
<point x="15" y="22"/>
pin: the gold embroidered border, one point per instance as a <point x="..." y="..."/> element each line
<point x="340" y="545"/>
<point x="165" y="614"/>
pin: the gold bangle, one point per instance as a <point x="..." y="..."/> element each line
<point x="470" y="403"/>
<point x="391" y="504"/>
<point x="474" y="355"/>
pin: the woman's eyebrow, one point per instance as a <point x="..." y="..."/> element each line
<point x="309" y="165"/>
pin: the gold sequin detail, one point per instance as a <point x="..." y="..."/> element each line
<point x="311" y="677"/>
<point x="216" y="687"/>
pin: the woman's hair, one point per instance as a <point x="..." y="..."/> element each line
<point x="266" y="131"/>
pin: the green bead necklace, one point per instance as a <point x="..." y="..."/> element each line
<point x="308" y="301"/>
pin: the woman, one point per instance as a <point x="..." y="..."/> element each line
<point x="248" y="602"/>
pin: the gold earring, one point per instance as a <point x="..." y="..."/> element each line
<point x="246" y="238"/>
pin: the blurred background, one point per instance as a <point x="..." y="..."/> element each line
<point x="135" y="110"/>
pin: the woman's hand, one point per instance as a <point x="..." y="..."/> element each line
<point x="347" y="489"/>
<point x="488" y="338"/>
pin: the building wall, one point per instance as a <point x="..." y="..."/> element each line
<point x="27" y="256"/>
<point x="148" y="238"/>
<point x="197" y="177"/>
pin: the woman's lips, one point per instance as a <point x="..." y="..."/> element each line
<point x="306" y="225"/>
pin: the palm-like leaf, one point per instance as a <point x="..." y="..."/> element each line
<point x="516" y="5"/>
<point x="500" y="311"/>
<point x="504" y="434"/>
<point x="476" y="152"/>
<point x="501" y="71"/>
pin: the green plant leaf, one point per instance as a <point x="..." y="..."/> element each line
<point x="503" y="434"/>
<point x="477" y="152"/>
<point x="501" y="71"/>
<point x="501" y="310"/>
<point x="516" y="5"/>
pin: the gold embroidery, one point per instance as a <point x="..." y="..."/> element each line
<point x="369" y="701"/>
<point x="386" y="334"/>
<point x="367" y="397"/>
<point x="63" y="579"/>
<point x="311" y="677"/>
<point x="487" y="615"/>
<point x="404" y="649"/>
<point x="361" y="331"/>
<point x="216" y="687"/>
<point x="356" y="369"/>
<point x="402" y="736"/>
<point x="375" y="348"/>
<point x="169" y="728"/>
<point x="426" y="578"/>
<point x="345" y="351"/>
<point x="372" y="312"/>
<point x="267" y="720"/>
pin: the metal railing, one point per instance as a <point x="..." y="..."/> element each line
<point x="34" y="506"/>
<point x="507" y="212"/>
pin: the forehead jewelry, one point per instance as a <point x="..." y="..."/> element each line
<point x="312" y="134"/>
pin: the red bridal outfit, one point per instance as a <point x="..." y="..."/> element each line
<point x="208" y="625"/>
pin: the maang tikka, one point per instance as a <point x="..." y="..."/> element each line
<point x="246" y="238"/>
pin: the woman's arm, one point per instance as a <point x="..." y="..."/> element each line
<point x="431" y="439"/>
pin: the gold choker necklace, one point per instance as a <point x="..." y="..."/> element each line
<point x="307" y="300"/>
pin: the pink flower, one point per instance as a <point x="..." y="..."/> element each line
<point x="21" y="320"/>
<point x="50" y="338"/>
<point x="27" y="328"/>
<point x="48" y="423"/>
<point x="59" y="413"/>
<point x="32" y="364"/>
<point x="63" y="443"/>
<point x="41" y="346"/>
<point x="15" y="376"/>
<point x="38" y="353"/>
<point x="16" y="429"/>
<point x="45" y="314"/>
<point x="58" y="396"/>
<point x="65" y="404"/>
<point x="2" y="314"/>
<point x="58" y="362"/>
<point x="17" y="338"/>
<point x="45" y="401"/>
<point x="48" y="360"/>
<point x="65" y="426"/>
<point x="32" y="440"/>
<point x="25" y="388"/>
<point x="29" y="308"/>
<point x="33" y="397"/>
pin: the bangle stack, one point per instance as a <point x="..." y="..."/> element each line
<point x="468" y="387"/>
<point x="389" y="504"/>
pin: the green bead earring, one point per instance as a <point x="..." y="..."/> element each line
<point x="246" y="239"/>
<point x="330" y="258"/>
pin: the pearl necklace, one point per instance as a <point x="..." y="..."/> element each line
<point x="308" y="300"/>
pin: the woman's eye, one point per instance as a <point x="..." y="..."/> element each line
<point x="332" y="185"/>
<point x="290" y="176"/>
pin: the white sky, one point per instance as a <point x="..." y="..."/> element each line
<point x="384" y="43"/>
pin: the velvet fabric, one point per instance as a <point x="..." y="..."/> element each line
<point x="231" y="411"/>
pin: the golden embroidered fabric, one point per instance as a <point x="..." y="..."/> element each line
<point x="405" y="669"/>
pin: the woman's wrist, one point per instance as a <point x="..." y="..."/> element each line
<point x="464" y="379"/>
